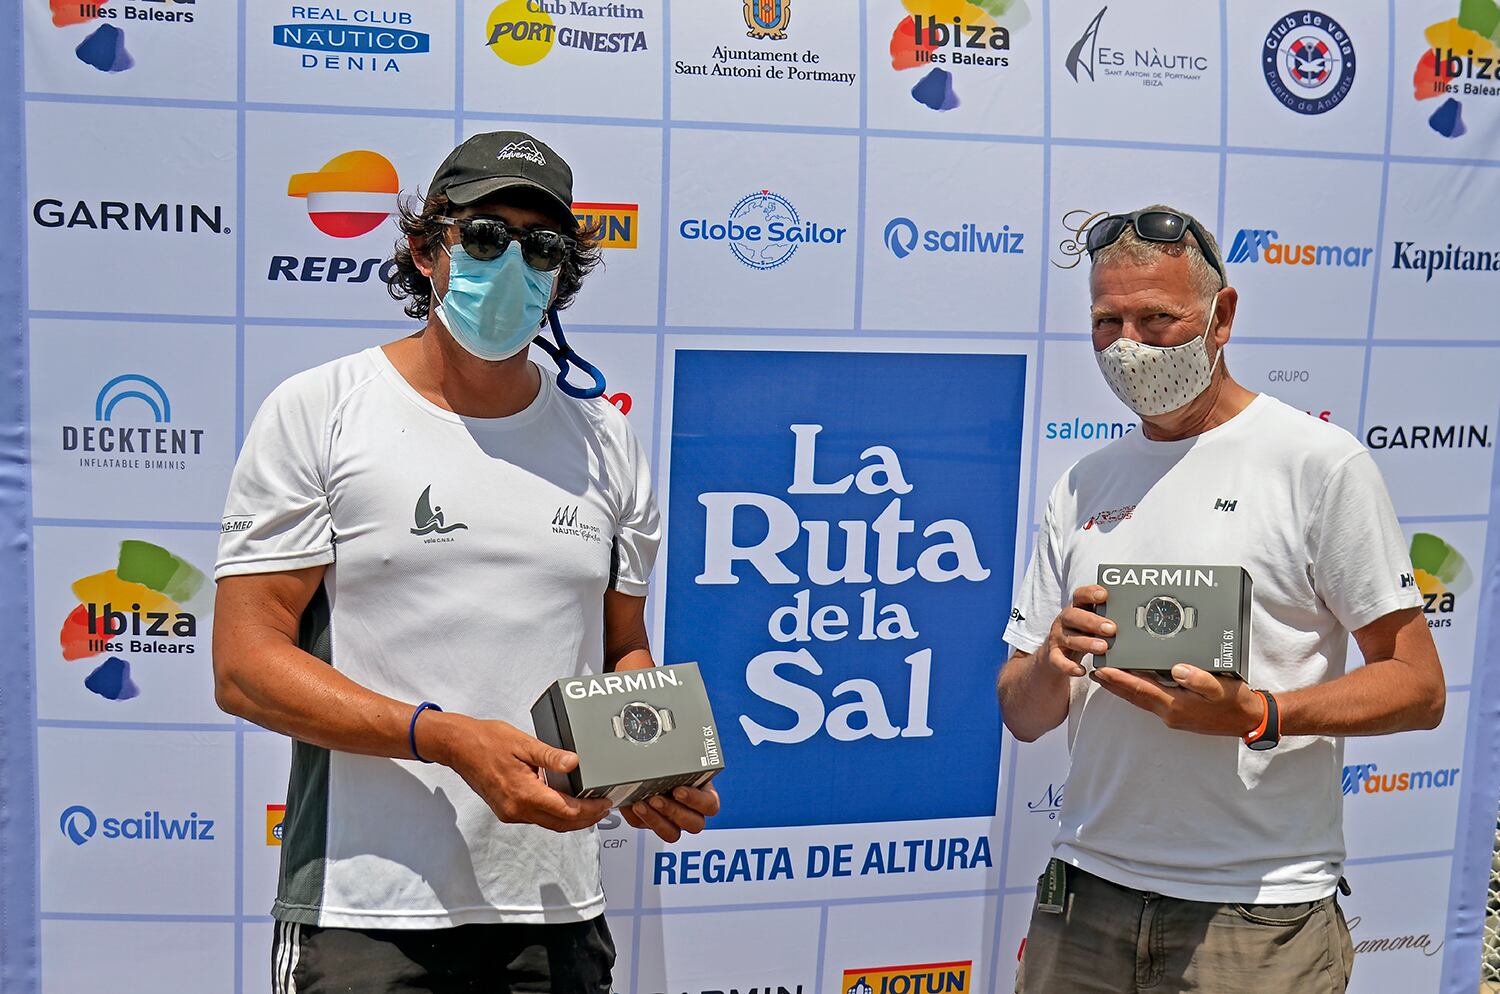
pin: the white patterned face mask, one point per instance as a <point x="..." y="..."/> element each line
<point x="1153" y="380"/>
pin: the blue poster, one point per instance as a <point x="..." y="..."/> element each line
<point x="843" y="531"/>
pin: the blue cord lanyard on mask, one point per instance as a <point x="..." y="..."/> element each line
<point x="562" y="353"/>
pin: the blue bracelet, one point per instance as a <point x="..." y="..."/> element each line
<point x="411" y="731"/>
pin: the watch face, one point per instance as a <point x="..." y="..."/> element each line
<point x="641" y="723"/>
<point x="1163" y="616"/>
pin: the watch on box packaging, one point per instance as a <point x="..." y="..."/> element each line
<point x="1170" y="614"/>
<point x="637" y="733"/>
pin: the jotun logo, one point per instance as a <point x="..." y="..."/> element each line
<point x="79" y="825"/>
<point x="523" y="32"/>
<point x="275" y="822"/>
<point x="904" y="238"/>
<point x="925" y="978"/>
<point x="1253" y="245"/>
<point x="351" y="195"/>
<point x="763" y="230"/>
<point x="1366" y="778"/>
<point x="618" y="223"/>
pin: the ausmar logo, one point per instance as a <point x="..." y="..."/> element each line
<point x="1366" y="778"/>
<point x="566" y="522"/>
<point x="768" y="18"/>
<point x="351" y="195"/>
<point x="903" y="238"/>
<point x="1442" y="575"/>
<point x="763" y="230"/>
<point x="1447" y="259"/>
<point x="1253" y="245"/>
<point x="430" y="519"/>
<point x="1428" y="437"/>
<point x="524" y="32"/>
<point x="130" y="215"/>
<point x="922" y="978"/>
<point x="79" y="825"/>
<point x="129" y="430"/>
<point x="350" y="39"/>
<point x="619" y="223"/>
<point x="1088" y="60"/>
<point x="1167" y="576"/>
<point x="1307" y="59"/>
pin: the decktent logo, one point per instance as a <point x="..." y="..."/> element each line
<point x="133" y="386"/>
<point x="351" y="195"/>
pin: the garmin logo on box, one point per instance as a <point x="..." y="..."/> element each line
<point x="1142" y="576"/>
<point x="620" y="683"/>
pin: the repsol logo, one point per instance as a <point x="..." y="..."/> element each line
<point x="329" y="269"/>
<point x="125" y="215"/>
<point x="1176" y="576"/>
<point x="1428" y="437"/>
<point x="621" y="683"/>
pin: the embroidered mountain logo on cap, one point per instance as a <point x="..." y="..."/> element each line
<point x="430" y="519"/>
<point x="522" y="150"/>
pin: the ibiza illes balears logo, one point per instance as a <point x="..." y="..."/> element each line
<point x="429" y="518"/>
<point x="1461" y="58"/>
<point x="104" y="48"/>
<point x="1308" y="62"/>
<point x="943" y="35"/>
<point x="1442" y="575"/>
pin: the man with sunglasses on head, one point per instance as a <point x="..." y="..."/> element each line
<point x="1200" y="841"/>
<point x="393" y="596"/>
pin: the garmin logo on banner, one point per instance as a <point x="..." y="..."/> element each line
<point x="621" y="683"/>
<point x="129" y="216"/>
<point x="1428" y="437"/>
<point x="1176" y="576"/>
<point x="79" y="824"/>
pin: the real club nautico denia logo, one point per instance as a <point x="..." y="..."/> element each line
<point x="430" y="519"/>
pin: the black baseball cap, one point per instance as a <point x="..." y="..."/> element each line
<point x="505" y="160"/>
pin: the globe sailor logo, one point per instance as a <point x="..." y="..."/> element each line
<point x="1308" y="62"/>
<point x="763" y="230"/>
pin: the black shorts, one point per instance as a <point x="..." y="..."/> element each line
<point x="495" y="959"/>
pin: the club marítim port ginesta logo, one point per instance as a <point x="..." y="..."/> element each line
<point x="1308" y="61"/>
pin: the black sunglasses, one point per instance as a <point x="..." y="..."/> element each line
<point x="485" y="238"/>
<point x="1152" y="226"/>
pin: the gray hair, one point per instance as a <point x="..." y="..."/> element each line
<point x="1131" y="248"/>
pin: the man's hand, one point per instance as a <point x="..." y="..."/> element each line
<point x="1201" y="702"/>
<point x="1077" y="631"/>
<point x="501" y="763"/>
<point x="686" y="810"/>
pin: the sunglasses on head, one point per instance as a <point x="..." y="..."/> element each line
<point x="1151" y="226"/>
<point x="485" y="238"/>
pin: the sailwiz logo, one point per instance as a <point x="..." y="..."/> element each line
<point x="79" y="825"/>
<point x="430" y="519"/>
<point x="1366" y="778"/>
<point x="1253" y="245"/>
<point x="903" y="238"/>
<point x="922" y="978"/>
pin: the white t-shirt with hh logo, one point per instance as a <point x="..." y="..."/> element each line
<point x="1301" y="505"/>
<point x="468" y="560"/>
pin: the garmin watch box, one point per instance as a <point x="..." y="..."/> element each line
<point x="1169" y="614"/>
<point x="637" y="733"/>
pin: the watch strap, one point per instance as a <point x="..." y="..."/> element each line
<point x="667" y="723"/>
<point x="618" y="725"/>
<point x="1268" y="733"/>
<point x="1189" y="617"/>
<point x="1140" y="616"/>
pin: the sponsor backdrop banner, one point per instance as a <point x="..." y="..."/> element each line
<point x="844" y="304"/>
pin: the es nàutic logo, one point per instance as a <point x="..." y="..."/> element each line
<point x="1447" y="258"/>
<point x="763" y="230"/>
<point x="132" y="429"/>
<point x="1367" y="778"/>
<point x="524" y="32"/>
<point x="1256" y="245"/>
<point x="619" y="224"/>
<point x="1308" y="61"/>
<point x="79" y="825"/>
<point x="351" y="195"/>
<point x="769" y="23"/>
<point x="150" y="604"/>
<point x="951" y="39"/>
<point x="904" y="238"/>
<point x="103" y="46"/>
<point x="919" y="978"/>
<point x="1442" y="574"/>
<point x="1460" y="58"/>
<point x="351" y="39"/>
<point x="1091" y="59"/>
<point x="430" y="519"/>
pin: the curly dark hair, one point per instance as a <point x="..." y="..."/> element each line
<point x="418" y="222"/>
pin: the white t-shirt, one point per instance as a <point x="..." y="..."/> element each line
<point x="1300" y="504"/>
<point x="467" y="564"/>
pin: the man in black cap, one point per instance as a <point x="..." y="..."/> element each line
<point x="393" y="596"/>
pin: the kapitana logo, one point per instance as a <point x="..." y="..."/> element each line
<point x="1449" y="258"/>
<point x="430" y="519"/>
<point x="275" y="820"/>
<point x="763" y="230"/>
<point x="524" y="32"/>
<point x="1089" y="60"/>
<point x="130" y="215"/>
<point x="904" y="238"/>
<point x="150" y="603"/>
<point x="1255" y="245"/>
<point x="1366" y="778"/>
<point x="1442" y="574"/>
<point x="920" y="978"/>
<point x="351" y="195"/>
<point x="1085" y="430"/>
<point x="941" y="36"/>
<point x="103" y="48"/>
<point x="1454" y="436"/>
<point x="619" y="224"/>
<point x="566" y="522"/>
<point x="351" y="39"/>
<point x="79" y="825"/>
<point x="132" y="429"/>
<point x="1460" y="58"/>
<point x="1308" y="62"/>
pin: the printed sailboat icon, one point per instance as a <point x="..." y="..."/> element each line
<point x="429" y="518"/>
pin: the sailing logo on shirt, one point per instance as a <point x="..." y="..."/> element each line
<point x="566" y="522"/>
<point x="1110" y="517"/>
<point x="430" y="519"/>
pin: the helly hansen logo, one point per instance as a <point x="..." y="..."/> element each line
<point x="1225" y="505"/>
<point x="1408" y="580"/>
<point x="567" y="522"/>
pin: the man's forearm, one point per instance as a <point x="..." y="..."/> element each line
<point x="1388" y="695"/>
<point x="1033" y="696"/>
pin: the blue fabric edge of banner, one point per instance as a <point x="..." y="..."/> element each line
<point x="19" y="940"/>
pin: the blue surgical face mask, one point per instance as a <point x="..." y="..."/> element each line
<point x="494" y="308"/>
